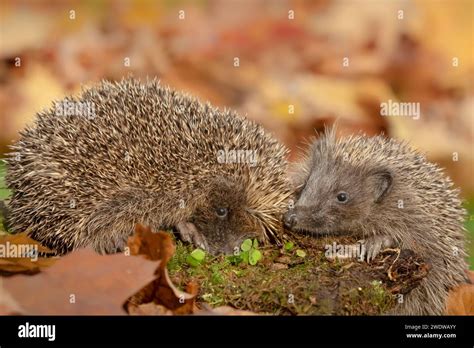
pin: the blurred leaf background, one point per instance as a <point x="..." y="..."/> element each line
<point x="290" y="76"/>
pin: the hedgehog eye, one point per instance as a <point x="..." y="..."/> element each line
<point x="221" y="212"/>
<point x="342" y="197"/>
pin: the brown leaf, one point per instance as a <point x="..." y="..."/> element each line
<point x="154" y="246"/>
<point x="224" y="310"/>
<point x="98" y="284"/>
<point x="470" y="275"/>
<point x="8" y="305"/>
<point x="161" y="291"/>
<point x="19" y="246"/>
<point x="149" y="309"/>
<point x="461" y="300"/>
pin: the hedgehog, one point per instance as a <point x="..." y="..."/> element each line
<point x="92" y="166"/>
<point x="388" y="195"/>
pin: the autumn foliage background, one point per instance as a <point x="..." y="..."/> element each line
<point x="290" y="53"/>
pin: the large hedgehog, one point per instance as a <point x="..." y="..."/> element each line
<point x="386" y="193"/>
<point x="92" y="167"/>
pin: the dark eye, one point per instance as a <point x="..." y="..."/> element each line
<point x="342" y="197"/>
<point x="221" y="212"/>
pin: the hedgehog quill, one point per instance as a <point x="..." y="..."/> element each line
<point x="387" y="194"/>
<point x="130" y="152"/>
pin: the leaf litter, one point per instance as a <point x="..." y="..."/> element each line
<point x="152" y="277"/>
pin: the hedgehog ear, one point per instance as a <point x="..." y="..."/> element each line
<point x="382" y="180"/>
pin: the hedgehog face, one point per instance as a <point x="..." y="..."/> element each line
<point x="337" y="198"/>
<point x="222" y="219"/>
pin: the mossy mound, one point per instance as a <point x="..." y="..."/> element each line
<point x="301" y="280"/>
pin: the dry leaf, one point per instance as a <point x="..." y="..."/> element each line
<point x="161" y="291"/>
<point x="149" y="309"/>
<point x="154" y="246"/>
<point x="8" y="305"/>
<point x="461" y="300"/>
<point x="26" y="264"/>
<point x="96" y="284"/>
<point x="224" y="310"/>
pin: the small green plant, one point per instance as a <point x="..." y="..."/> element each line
<point x="249" y="253"/>
<point x="289" y="246"/>
<point x="378" y="296"/>
<point x="196" y="257"/>
<point x="301" y="253"/>
<point x="246" y="245"/>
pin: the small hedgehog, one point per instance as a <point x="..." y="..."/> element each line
<point x="384" y="192"/>
<point x="92" y="167"/>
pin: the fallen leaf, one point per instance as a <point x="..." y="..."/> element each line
<point x="224" y="310"/>
<point x="24" y="254"/>
<point x="461" y="300"/>
<point x="149" y="309"/>
<point x="154" y="246"/>
<point x="81" y="283"/>
<point x="8" y="305"/>
<point x="470" y="275"/>
<point x="161" y="291"/>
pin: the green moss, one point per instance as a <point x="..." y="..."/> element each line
<point x="298" y="286"/>
<point x="372" y="299"/>
<point x="179" y="259"/>
<point x="4" y="192"/>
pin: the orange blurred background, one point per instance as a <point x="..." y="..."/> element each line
<point x="292" y="66"/>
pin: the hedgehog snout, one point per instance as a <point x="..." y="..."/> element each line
<point x="304" y="218"/>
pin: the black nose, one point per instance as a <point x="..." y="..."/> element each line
<point x="289" y="219"/>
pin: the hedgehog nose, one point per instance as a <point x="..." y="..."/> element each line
<point x="289" y="219"/>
